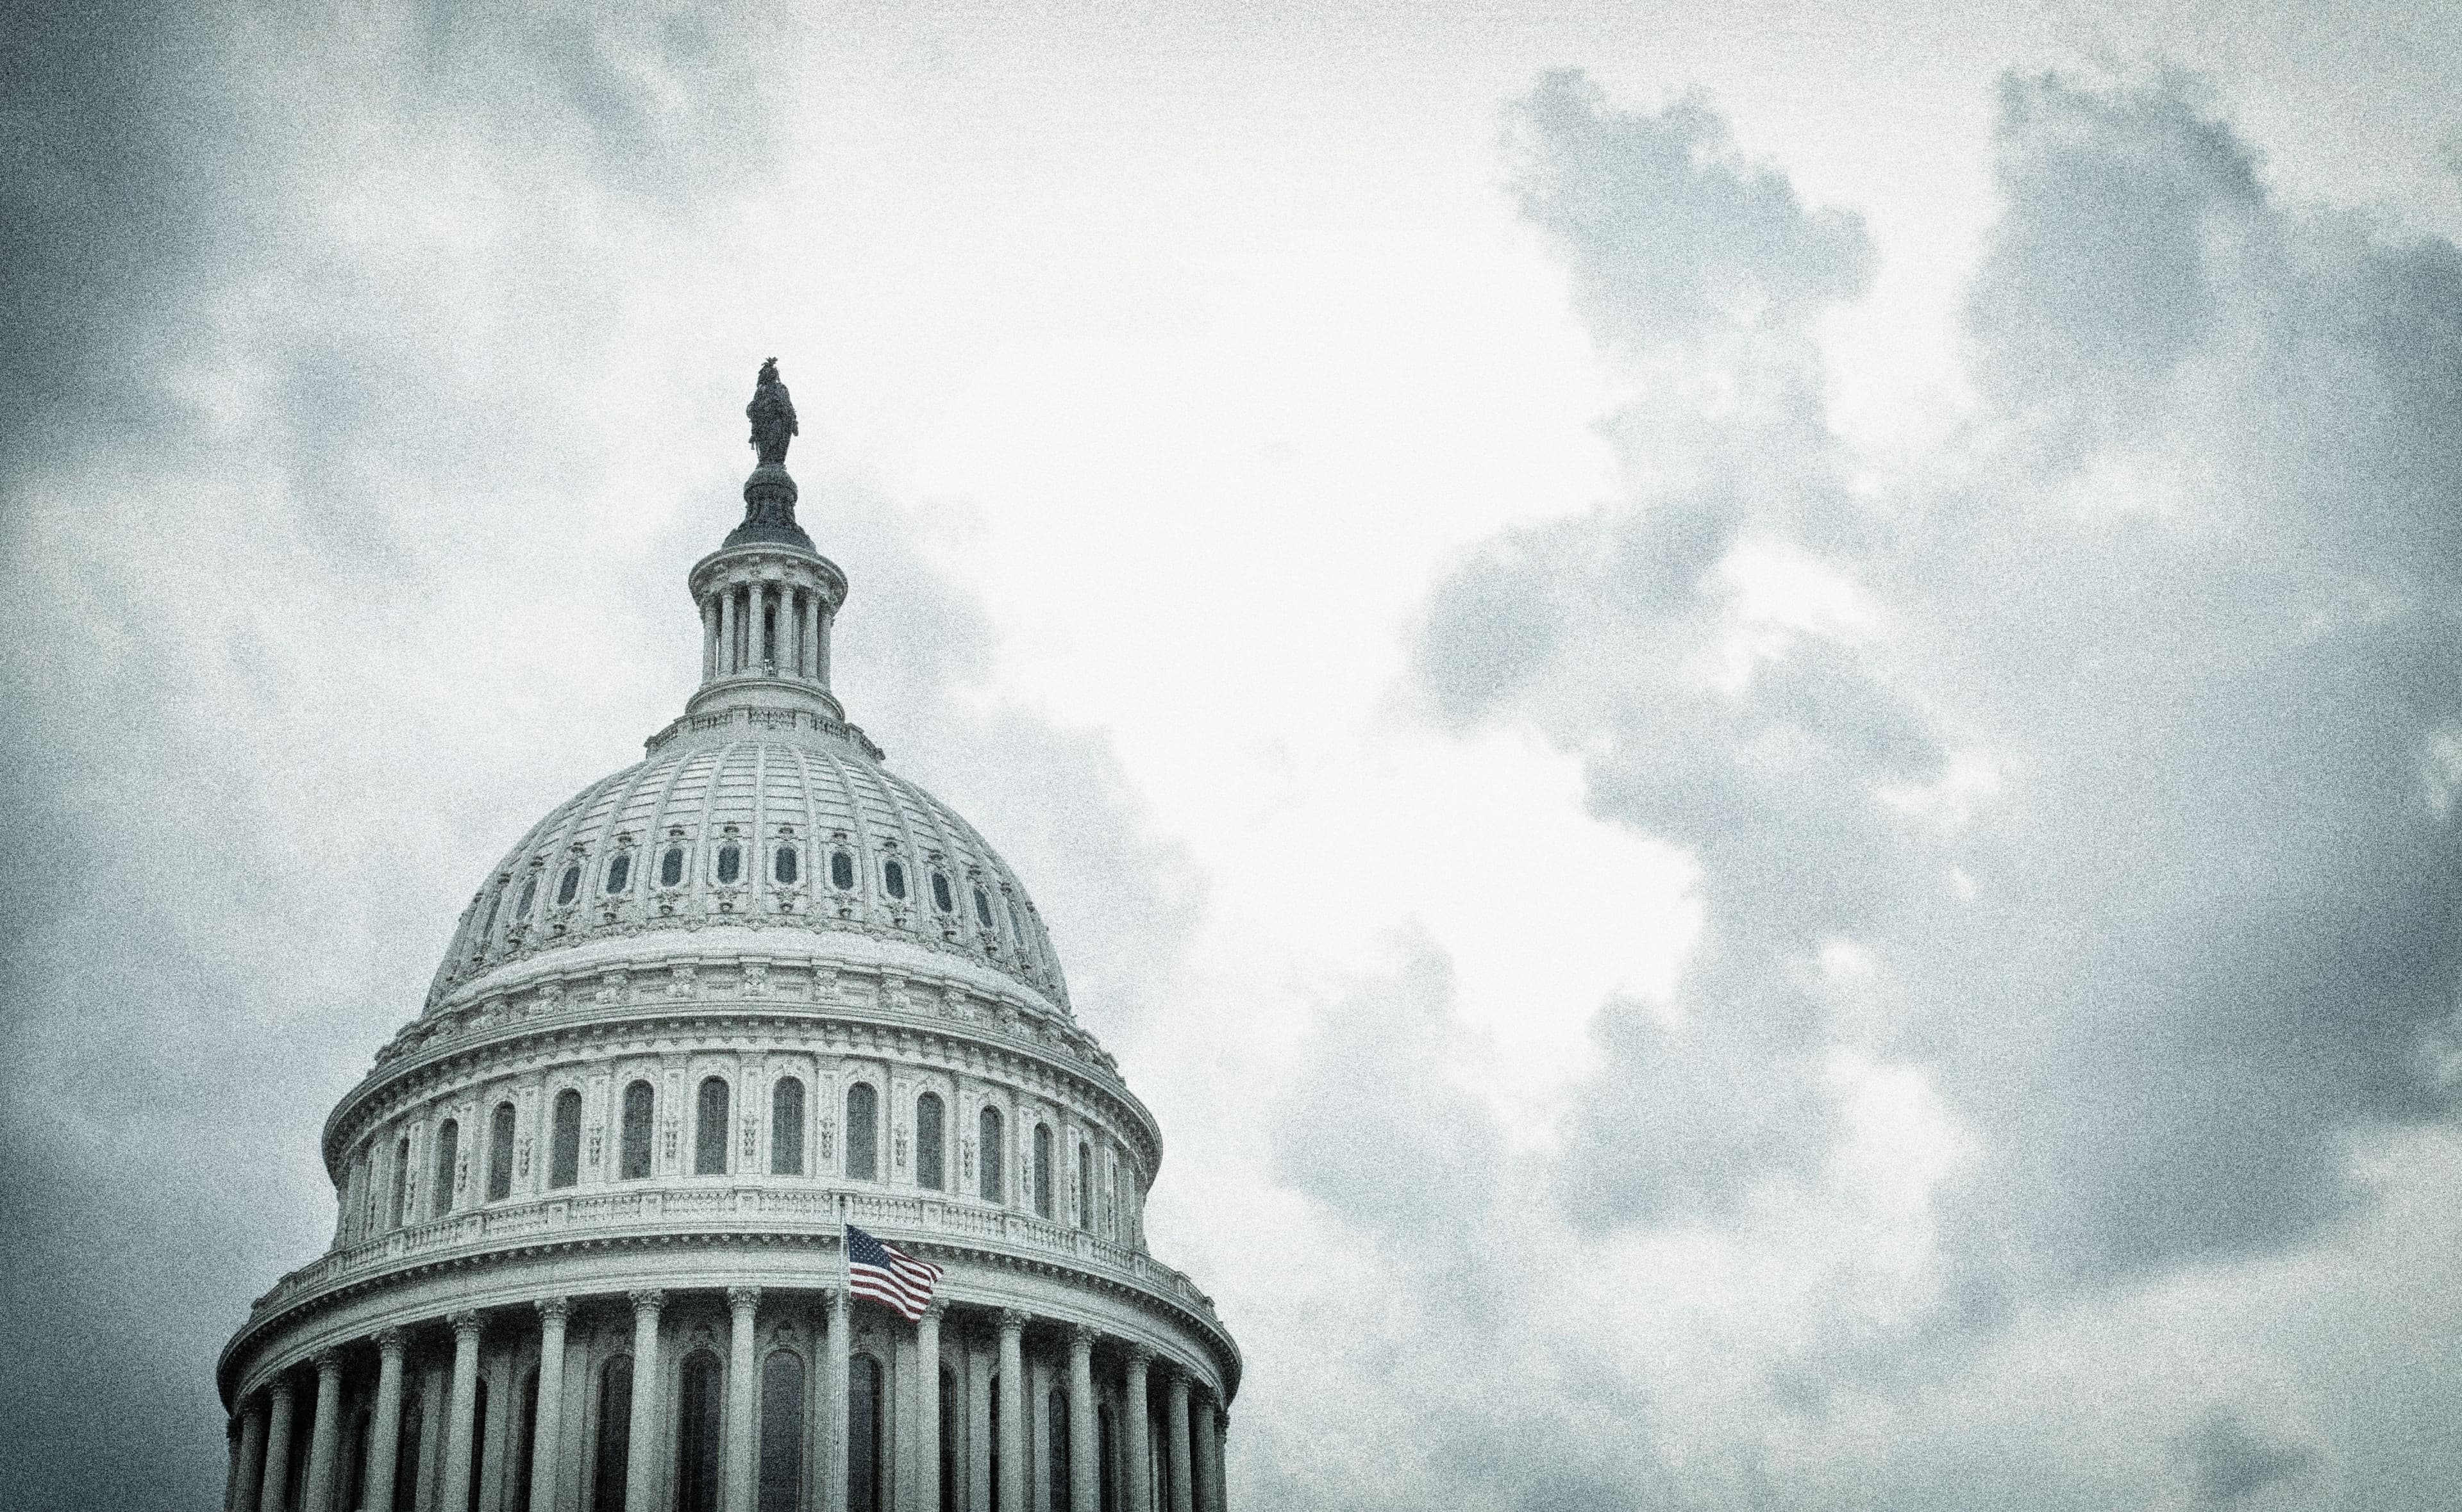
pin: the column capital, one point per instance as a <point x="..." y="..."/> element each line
<point x="469" y="1322"/>
<point x="1140" y="1357"/>
<point x="649" y="1299"/>
<point x="389" y="1342"/>
<point x="1082" y="1336"/>
<point x="278" y="1389"/>
<point x="936" y="1309"/>
<point x="327" y="1361"/>
<point x="742" y="1299"/>
<point x="553" y="1309"/>
<point x="1014" y="1319"/>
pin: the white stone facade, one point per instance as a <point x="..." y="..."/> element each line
<point x="588" y="1254"/>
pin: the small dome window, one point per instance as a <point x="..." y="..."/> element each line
<point x="893" y="877"/>
<point x="571" y="887"/>
<point x="671" y="867"/>
<point x="488" y="925"/>
<point x="620" y="871"/>
<point x="785" y="868"/>
<point x="940" y="898"/>
<point x="730" y="861"/>
<point x="841" y="871"/>
<point x="530" y="894"/>
<point x="982" y="909"/>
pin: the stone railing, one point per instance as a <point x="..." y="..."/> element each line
<point x="736" y="1204"/>
<point x="750" y="720"/>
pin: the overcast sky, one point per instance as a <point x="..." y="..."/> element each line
<point x="1749" y="718"/>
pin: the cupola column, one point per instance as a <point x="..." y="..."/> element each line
<point x="642" y="1450"/>
<point x="462" y="1404"/>
<point x="725" y="630"/>
<point x="384" y="1431"/>
<point x="927" y="1407"/>
<point x="1140" y="1433"/>
<point x="1015" y="1400"/>
<point x="708" y="640"/>
<point x="1209" y="1460"/>
<point x="1084" y="1490"/>
<point x="1175" y="1408"/>
<point x="278" y="1450"/>
<point x="252" y="1457"/>
<point x="742" y="1349"/>
<point x="546" y="1474"/>
<point x="325" y="1435"/>
<point x="811" y="621"/>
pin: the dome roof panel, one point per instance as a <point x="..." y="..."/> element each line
<point x="796" y="790"/>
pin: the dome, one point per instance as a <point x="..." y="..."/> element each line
<point x="789" y="827"/>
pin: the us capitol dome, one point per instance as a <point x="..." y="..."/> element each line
<point x="707" y="1014"/>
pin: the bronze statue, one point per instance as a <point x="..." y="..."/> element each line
<point x="772" y="415"/>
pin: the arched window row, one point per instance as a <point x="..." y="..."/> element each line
<point x="484" y="1153"/>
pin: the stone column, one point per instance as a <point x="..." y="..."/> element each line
<point x="545" y="1471"/>
<point x="834" y="1388"/>
<point x="251" y="1459"/>
<point x="1085" y="1470"/>
<point x="1174" y="1407"/>
<point x="641" y="1451"/>
<point x="384" y="1429"/>
<point x="812" y="671"/>
<point x="231" y="1431"/>
<point x="461" y="1413"/>
<point x="277" y="1451"/>
<point x="978" y="1425"/>
<point x="725" y="629"/>
<point x="1138" y="1433"/>
<point x="1209" y="1461"/>
<point x="1016" y="1401"/>
<point x="708" y="638"/>
<point x="743" y="1348"/>
<point x="324" y="1434"/>
<point x="821" y="666"/>
<point x="927" y="1409"/>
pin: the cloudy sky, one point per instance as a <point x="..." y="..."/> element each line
<point x="1749" y="718"/>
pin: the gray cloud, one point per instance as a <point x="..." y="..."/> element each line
<point x="2230" y="1465"/>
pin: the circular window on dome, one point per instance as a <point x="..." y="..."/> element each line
<point x="893" y="877"/>
<point x="530" y="894"/>
<point x="786" y="865"/>
<point x="730" y="862"/>
<point x="671" y="867"/>
<point x="841" y="871"/>
<point x="571" y="887"/>
<point x="620" y="871"/>
<point x="940" y="898"/>
<point x="982" y="909"/>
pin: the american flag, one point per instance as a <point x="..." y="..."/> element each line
<point x="889" y="1275"/>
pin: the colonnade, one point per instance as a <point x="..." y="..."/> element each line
<point x="1003" y="1469"/>
<point x="735" y="617"/>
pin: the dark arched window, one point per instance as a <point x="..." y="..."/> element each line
<point x="1085" y="1186"/>
<point x="405" y="1475"/>
<point x="1042" y="1170"/>
<point x="863" y="1133"/>
<point x="448" y="1143"/>
<point x="940" y="898"/>
<point x="995" y="1155"/>
<point x="982" y="909"/>
<point x="709" y="1133"/>
<point x="786" y="1127"/>
<point x="570" y="886"/>
<point x="784" y="866"/>
<point x="525" y="1443"/>
<point x="564" y="1146"/>
<point x="697" y="1405"/>
<point x="615" y="1436"/>
<point x="1055" y="1451"/>
<point x="841" y="871"/>
<point x="478" y="1440"/>
<point x="495" y="901"/>
<point x="671" y="867"/>
<point x="530" y="894"/>
<point x="1106" y="1461"/>
<point x="948" y="1440"/>
<point x="399" y="1203"/>
<point x="928" y="1164"/>
<point x="893" y="877"/>
<point x="500" y="1153"/>
<point x="620" y="871"/>
<point x="863" y="1434"/>
<point x="639" y="1103"/>
<point x="730" y="861"/>
<point x="781" y="1480"/>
